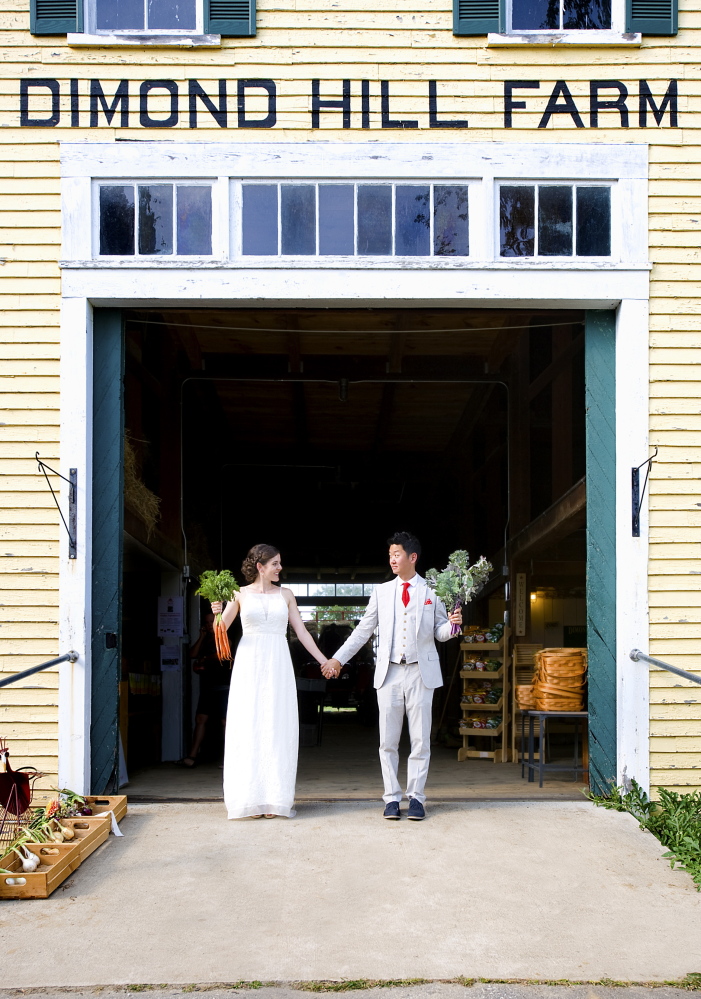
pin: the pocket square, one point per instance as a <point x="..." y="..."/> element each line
<point x="428" y="602"/>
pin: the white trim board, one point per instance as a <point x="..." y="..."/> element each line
<point x="508" y="285"/>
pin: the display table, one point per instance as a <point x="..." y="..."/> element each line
<point x="579" y="718"/>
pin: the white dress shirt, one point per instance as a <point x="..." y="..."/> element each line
<point x="404" y="635"/>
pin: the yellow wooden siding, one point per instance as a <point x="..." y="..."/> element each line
<point x="298" y="40"/>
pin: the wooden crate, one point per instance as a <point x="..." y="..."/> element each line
<point x="116" y="803"/>
<point x="91" y="831"/>
<point x="53" y="870"/>
<point x="494" y="732"/>
<point x="482" y="674"/>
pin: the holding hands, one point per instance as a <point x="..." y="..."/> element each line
<point x="456" y="617"/>
<point x="331" y="669"/>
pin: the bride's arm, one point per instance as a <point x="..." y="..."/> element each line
<point x="299" y="629"/>
<point x="228" y="616"/>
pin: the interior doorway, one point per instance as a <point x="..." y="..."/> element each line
<point x="323" y="431"/>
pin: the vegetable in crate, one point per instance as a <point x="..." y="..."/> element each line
<point x="219" y="586"/>
<point x="458" y="583"/>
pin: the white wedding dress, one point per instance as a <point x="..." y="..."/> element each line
<point x="262" y="725"/>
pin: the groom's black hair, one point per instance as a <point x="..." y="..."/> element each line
<point x="409" y="542"/>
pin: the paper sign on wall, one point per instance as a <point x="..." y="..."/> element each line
<point x="520" y="605"/>
<point x="170" y="658"/>
<point x="170" y="617"/>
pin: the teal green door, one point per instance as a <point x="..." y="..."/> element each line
<point x="600" y="379"/>
<point x="107" y="524"/>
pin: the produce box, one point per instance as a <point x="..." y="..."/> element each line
<point x="116" y="803"/>
<point x="54" y="868"/>
<point x="61" y="859"/>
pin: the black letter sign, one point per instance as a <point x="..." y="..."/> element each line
<point x="433" y="121"/>
<point x="271" y="117"/>
<point x="511" y="105"/>
<point x="55" y="117"/>
<point x="388" y="122"/>
<point x="145" y="118"/>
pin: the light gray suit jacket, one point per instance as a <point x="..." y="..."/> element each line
<point x="431" y="624"/>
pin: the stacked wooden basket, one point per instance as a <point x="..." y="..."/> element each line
<point x="559" y="682"/>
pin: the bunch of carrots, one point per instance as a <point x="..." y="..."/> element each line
<point x="219" y="586"/>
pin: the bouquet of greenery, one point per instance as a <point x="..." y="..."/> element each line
<point x="219" y="586"/>
<point x="459" y="581"/>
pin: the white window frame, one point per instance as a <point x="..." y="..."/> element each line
<point x="613" y="257"/>
<point x="587" y="37"/>
<point x="217" y="235"/>
<point x="190" y="38"/>
<point x="237" y="216"/>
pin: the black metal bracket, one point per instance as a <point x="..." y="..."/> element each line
<point x="636" y="494"/>
<point x="72" y="525"/>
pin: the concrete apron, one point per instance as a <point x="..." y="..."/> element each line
<point x="542" y="890"/>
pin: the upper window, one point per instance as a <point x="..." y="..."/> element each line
<point x="155" y="219"/>
<point x="144" y="15"/>
<point x="554" y="220"/>
<point x="560" y="15"/>
<point x="355" y="219"/>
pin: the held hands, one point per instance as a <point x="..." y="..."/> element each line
<point x="217" y="607"/>
<point x="455" y="617"/>
<point x="331" y="669"/>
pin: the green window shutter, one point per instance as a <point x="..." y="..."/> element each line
<point x="235" y="18"/>
<point x="478" y="17"/>
<point x="652" y="17"/>
<point x="55" y="17"/>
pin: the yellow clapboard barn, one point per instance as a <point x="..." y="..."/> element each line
<point x="314" y="273"/>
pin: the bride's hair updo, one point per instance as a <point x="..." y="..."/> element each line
<point x="259" y="553"/>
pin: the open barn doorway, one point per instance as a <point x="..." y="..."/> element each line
<point x="323" y="431"/>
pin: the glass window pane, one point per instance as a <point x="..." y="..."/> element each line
<point x="336" y="224"/>
<point x="517" y="221"/>
<point x="194" y="219"/>
<point x="322" y="589"/>
<point x="368" y="588"/>
<point x="156" y="218"/>
<point x="593" y="221"/>
<point x="298" y="215"/>
<point x="119" y="15"/>
<point x="349" y="589"/>
<point x="412" y="227"/>
<point x="179" y="15"/>
<point x="259" y="219"/>
<point x="375" y="219"/>
<point x="117" y="220"/>
<point x="535" y="15"/>
<point x="555" y="221"/>
<point x="579" y="14"/>
<point x="451" y="230"/>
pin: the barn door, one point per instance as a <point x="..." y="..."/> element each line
<point x="107" y="525"/>
<point x="600" y="376"/>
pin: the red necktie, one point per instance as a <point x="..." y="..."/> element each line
<point x="405" y="594"/>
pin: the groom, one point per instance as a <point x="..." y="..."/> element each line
<point x="407" y="671"/>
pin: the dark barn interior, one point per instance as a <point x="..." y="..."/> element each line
<point x="323" y="431"/>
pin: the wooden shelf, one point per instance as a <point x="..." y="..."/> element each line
<point x="493" y="732"/>
<point x="476" y="708"/>
<point x="476" y="646"/>
<point x="482" y="674"/>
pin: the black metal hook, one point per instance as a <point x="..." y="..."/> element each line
<point x="72" y="531"/>
<point x="636" y="494"/>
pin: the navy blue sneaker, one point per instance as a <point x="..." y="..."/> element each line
<point x="416" y="809"/>
<point x="391" y="810"/>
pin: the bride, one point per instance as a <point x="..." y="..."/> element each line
<point x="262" y="726"/>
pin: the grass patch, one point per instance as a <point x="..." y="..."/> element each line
<point x="675" y="820"/>
<point x="356" y="984"/>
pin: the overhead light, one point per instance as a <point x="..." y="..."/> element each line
<point x="534" y="597"/>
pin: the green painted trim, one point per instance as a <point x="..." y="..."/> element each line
<point x="107" y="528"/>
<point x="600" y="380"/>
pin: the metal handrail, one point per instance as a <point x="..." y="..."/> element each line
<point x="636" y="655"/>
<point x="70" y="657"/>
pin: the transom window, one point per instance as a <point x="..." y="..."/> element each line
<point x="155" y="219"/>
<point x="554" y="220"/>
<point x="355" y="219"/>
<point x="560" y="15"/>
<point x="144" y="15"/>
